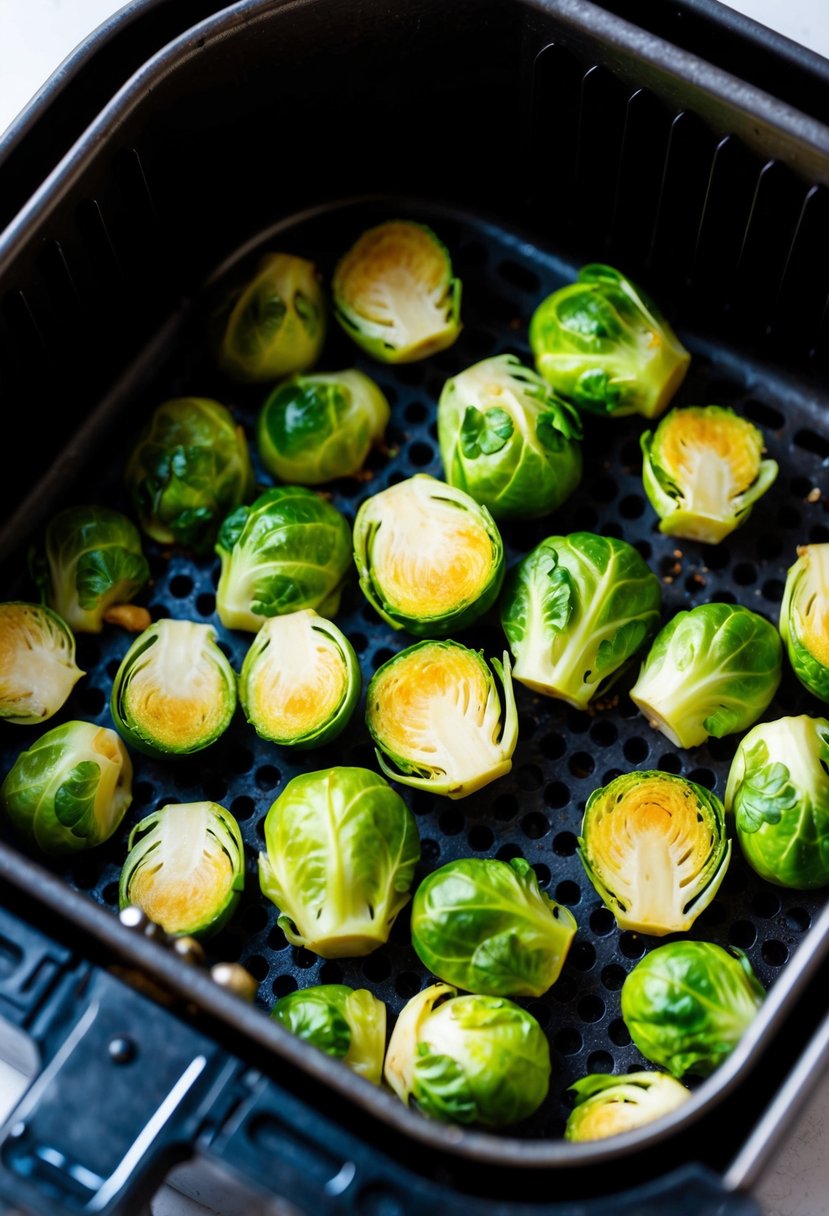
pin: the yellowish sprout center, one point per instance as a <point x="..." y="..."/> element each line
<point x="37" y="671"/>
<point x="627" y="1107"/>
<point x="176" y="693"/>
<point x="299" y="681"/>
<point x="713" y="456"/>
<point x="188" y="876"/>
<point x="815" y="600"/>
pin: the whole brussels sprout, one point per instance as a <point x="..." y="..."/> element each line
<point x="804" y="618"/>
<point x="174" y="692"/>
<point x="654" y="846"/>
<point x="300" y="680"/>
<point x="290" y="550"/>
<point x="430" y="559"/>
<point x="703" y="471"/>
<point x="187" y="469"/>
<point x="37" y="662"/>
<point x="185" y="868"/>
<point x="276" y="323"/>
<point x="394" y="293"/>
<point x="468" y="1059"/>
<point x="507" y="439"/>
<point x="341" y="850"/>
<point x="710" y="671"/>
<point x="778" y="791"/>
<point x="607" y="1105"/>
<point x="91" y="561"/>
<point x="438" y="722"/>
<point x="70" y="790"/>
<point x="486" y="926"/>
<point x="319" y="427"/>
<point x="343" y="1022"/>
<point x="575" y="611"/>
<point x="687" y="1005"/>
<point x="603" y="345"/>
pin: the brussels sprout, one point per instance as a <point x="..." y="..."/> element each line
<point x="778" y="791"/>
<point x="654" y="846"/>
<point x="486" y="926"/>
<point x="290" y="550"/>
<point x="174" y="692"/>
<point x="91" y="561"/>
<point x="607" y="1106"/>
<point x="710" y="671"/>
<point x="508" y="440"/>
<point x="575" y="611"/>
<point x="277" y="322"/>
<point x="317" y="428"/>
<point x="70" y="790"/>
<point x="340" y="1021"/>
<point x="430" y="559"/>
<point x="602" y="344"/>
<point x="188" y="468"/>
<point x="468" y="1059"/>
<point x="37" y="663"/>
<point x="687" y="1004"/>
<point x="394" y="293"/>
<point x="437" y="720"/>
<point x="804" y="618"/>
<point x="341" y="850"/>
<point x="185" y="868"/>
<point x="300" y="680"/>
<point x="702" y="471"/>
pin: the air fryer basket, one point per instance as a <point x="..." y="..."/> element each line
<point x="533" y="138"/>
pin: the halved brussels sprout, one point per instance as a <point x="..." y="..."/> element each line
<point x="277" y="321"/>
<point x="655" y="848"/>
<point x="778" y="791"/>
<point x="319" y="427"/>
<point x="507" y="439"/>
<point x="394" y="293"/>
<point x="804" y="618"/>
<point x="687" y="1005"/>
<point x="438" y="722"/>
<point x="188" y="468"/>
<point x="486" y="926"/>
<point x="607" y="1106"/>
<point x="341" y="1021"/>
<point x="430" y="559"/>
<point x="290" y="550"/>
<point x="185" y="868"/>
<point x="300" y="680"/>
<point x="703" y="471"/>
<point x="91" y="561"/>
<point x="575" y="611"/>
<point x="341" y="850"/>
<point x="710" y="671"/>
<point x="70" y="790"/>
<point x="37" y="662"/>
<point x="468" y="1059"/>
<point x="603" y="344"/>
<point x="174" y="692"/>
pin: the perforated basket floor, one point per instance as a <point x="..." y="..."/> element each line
<point x="562" y="755"/>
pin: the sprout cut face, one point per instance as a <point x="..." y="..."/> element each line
<point x="507" y="439"/>
<point x="300" y="680"/>
<point x="343" y="1022"/>
<point x="438" y="722"/>
<point x="430" y="559"/>
<point x="70" y="790"/>
<point x="710" y="671"/>
<point x="185" y="868"/>
<point x="654" y="846"/>
<point x="341" y="850"/>
<point x="395" y="295"/>
<point x="468" y="1059"/>
<point x="486" y="926"/>
<point x="37" y="663"/>
<point x="174" y="692"/>
<point x="607" y="1105"/>
<point x="703" y="471"/>
<point x="778" y="792"/>
<point x="804" y="618"/>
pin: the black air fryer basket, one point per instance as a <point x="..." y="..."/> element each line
<point x="533" y="137"/>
